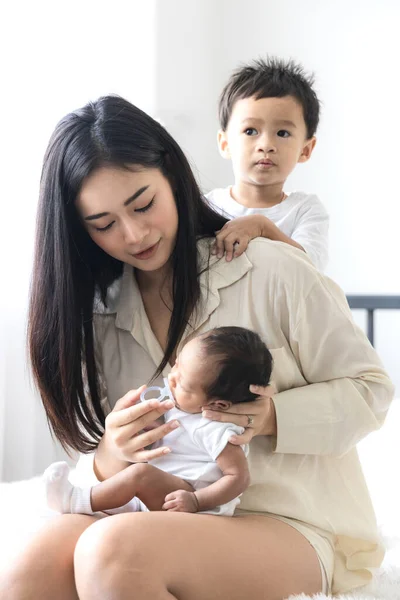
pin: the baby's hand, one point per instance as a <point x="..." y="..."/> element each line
<point x="235" y="235"/>
<point x="181" y="501"/>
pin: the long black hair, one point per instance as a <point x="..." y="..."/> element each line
<point x="69" y="267"/>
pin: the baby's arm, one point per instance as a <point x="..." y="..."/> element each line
<point x="235" y="479"/>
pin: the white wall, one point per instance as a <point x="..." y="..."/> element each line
<point x="56" y="57"/>
<point x="172" y="57"/>
<point x="353" y="48"/>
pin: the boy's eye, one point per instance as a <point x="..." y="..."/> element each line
<point x="106" y="228"/>
<point x="251" y="131"/>
<point x="283" y="133"/>
<point x="145" y="208"/>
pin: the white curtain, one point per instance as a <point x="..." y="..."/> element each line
<point x="59" y="56"/>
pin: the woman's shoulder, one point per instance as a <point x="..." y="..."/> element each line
<point x="282" y="264"/>
<point x="273" y="255"/>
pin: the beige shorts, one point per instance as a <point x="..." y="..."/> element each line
<point x="322" y="541"/>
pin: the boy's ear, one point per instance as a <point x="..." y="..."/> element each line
<point x="222" y="141"/>
<point x="307" y="150"/>
<point x="219" y="404"/>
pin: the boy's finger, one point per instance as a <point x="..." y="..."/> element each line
<point x="230" y="243"/>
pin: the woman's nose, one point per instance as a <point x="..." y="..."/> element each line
<point x="133" y="232"/>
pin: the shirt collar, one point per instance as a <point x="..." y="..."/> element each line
<point x="124" y="299"/>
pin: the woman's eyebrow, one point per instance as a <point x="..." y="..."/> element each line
<point x="126" y="203"/>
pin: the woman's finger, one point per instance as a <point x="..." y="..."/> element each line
<point x="130" y="398"/>
<point x="146" y="438"/>
<point x="263" y="391"/>
<point x="240" y="420"/>
<point x="147" y="455"/>
<point x="254" y="408"/>
<point x="245" y="438"/>
<point x="141" y="414"/>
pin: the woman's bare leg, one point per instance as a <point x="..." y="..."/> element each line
<point x="166" y="556"/>
<point x="148" y="483"/>
<point x="45" y="571"/>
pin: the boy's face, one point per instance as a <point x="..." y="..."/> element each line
<point x="265" y="139"/>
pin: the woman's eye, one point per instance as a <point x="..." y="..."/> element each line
<point x="251" y="131"/>
<point x="106" y="228"/>
<point x="283" y="133"/>
<point x="145" y="208"/>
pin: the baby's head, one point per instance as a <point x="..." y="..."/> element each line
<point x="268" y="111"/>
<point x="216" y="369"/>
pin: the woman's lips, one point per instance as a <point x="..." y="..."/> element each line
<point x="147" y="253"/>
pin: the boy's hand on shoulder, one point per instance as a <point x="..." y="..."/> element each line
<point x="233" y="239"/>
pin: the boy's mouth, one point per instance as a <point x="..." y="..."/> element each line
<point x="265" y="162"/>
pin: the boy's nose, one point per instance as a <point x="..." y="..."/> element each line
<point x="266" y="145"/>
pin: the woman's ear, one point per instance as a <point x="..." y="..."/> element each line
<point x="219" y="404"/>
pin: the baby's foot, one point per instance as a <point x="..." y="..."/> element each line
<point x="57" y="487"/>
<point x="61" y="495"/>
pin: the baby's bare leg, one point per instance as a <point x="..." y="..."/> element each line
<point x="142" y="480"/>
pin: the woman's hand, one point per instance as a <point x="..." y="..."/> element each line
<point x="257" y="417"/>
<point x="130" y="428"/>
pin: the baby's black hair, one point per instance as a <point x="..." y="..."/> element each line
<point x="241" y="359"/>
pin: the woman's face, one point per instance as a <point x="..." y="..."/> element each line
<point x="131" y="215"/>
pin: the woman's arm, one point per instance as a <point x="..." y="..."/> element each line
<point x="349" y="392"/>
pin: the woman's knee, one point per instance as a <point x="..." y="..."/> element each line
<point x="105" y="551"/>
<point x="46" y="563"/>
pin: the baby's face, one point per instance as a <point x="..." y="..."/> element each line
<point x="189" y="376"/>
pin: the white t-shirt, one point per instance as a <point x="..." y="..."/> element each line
<point x="300" y="216"/>
<point x="195" y="446"/>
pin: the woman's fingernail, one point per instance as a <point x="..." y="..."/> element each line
<point x="233" y="439"/>
<point x="207" y="414"/>
<point x="168" y="404"/>
<point x="166" y="450"/>
<point x="174" y="424"/>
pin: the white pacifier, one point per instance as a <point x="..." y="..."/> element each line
<point x="158" y="393"/>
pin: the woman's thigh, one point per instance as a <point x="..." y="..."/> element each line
<point x="194" y="557"/>
<point x="44" y="570"/>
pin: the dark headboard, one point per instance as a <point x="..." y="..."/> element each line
<point x="372" y="303"/>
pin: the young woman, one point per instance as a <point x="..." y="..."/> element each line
<point x="123" y="275"/>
